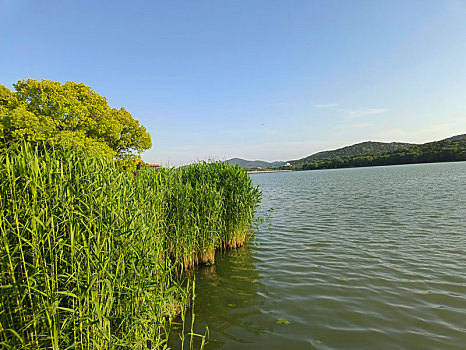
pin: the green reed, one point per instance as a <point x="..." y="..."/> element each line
<point x="90" y="255"/>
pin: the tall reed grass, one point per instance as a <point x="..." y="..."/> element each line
<point x="90" y="255"/>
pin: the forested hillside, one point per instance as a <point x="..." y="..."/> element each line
<point x="457" y="137"/>
<point x="447" y="150"/>
<point x="360" y="149"/>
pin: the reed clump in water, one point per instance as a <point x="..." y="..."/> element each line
<point x="208" y="206"/>
<point x="88" y="252"/>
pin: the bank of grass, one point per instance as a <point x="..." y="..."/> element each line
<point x="91" y="256"/>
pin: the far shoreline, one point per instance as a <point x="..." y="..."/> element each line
<point x="267" y="171"/>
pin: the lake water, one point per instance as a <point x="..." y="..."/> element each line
<point x="363" y="258"/>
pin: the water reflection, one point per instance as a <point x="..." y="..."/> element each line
<point x="229" y="297"/>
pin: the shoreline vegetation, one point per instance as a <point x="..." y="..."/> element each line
<point x="93" y="256"/>
<point x="267" y="171"/>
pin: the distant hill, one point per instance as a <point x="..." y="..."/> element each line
<point x="452" y="149"/>
<point x="456" y="138"/>
<point x="254" y="164"/>
<point x="360" y="149"/>
<point x="369" y="149"/>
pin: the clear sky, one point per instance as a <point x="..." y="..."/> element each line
<point x="255" y="79"/>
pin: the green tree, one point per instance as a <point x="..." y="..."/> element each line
<point x="18" y="123"/>
<point x="70" y="113"/>
<point x="132" y="137"/>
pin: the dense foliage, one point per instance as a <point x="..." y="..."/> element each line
<point x="69" y="114"/>
<point x="89" y="253"/>
<point x="441" y="151"/>
<point x="367" y="148"/>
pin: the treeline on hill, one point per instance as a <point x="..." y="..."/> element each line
<point x="359" y="149"/>
<point x="448" y="150"/>
<point x="91" y="255"/>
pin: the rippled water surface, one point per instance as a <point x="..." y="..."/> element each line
<point x="365" y="258"/>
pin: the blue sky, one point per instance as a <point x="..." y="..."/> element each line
<point x="256" y="79"/>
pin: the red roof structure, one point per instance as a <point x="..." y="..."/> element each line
<point x="156" y="166"/>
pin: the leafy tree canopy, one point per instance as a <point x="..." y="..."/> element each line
<point x="70" y="113"/>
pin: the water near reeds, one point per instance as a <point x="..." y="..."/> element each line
<point x="368" y="258"/>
